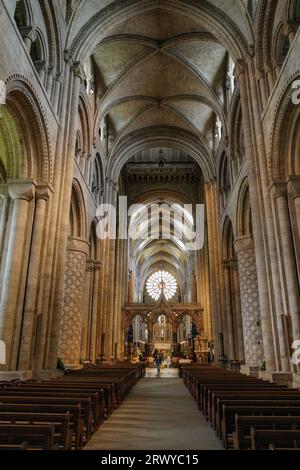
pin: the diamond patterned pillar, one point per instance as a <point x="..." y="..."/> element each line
<point x="71" y="321"/>
<point x="252" y="332"/>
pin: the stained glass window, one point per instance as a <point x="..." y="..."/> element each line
<point x="161" y="281"/>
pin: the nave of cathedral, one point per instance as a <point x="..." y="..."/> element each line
<point x="149" y="203"/>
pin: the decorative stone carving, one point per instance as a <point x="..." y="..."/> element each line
<point x="253" y="339"/>
<point x="70" y="328"/>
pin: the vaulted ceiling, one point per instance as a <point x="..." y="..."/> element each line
<point x="160" y="70"/>
<point x="161" y="67"/>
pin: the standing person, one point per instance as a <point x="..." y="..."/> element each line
<point x="157" y="360"/>
<point x="168" y="361"/>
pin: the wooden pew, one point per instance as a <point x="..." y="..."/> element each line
<point x="73" y="410"/>
<point x="62" y="426"/>
<point x="262" y="439"/>
<point x="105" y="393"/>
<point x="219" y="392"/>
<point x="230" y="411"/>
<point x="23" y="446"/>
<point x="243" y="425"/>
<point x="86" y="409"/>
<point x="60" y="392"/>
<point x="88" y="395"/>
<point x="216" y="410"/>
<point x="39" y="437"/>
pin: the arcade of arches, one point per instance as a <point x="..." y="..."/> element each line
<point x="171" y="104"/>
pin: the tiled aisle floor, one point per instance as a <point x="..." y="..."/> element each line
<point x="158" y="414"/>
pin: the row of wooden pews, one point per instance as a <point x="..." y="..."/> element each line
<point x="245" y="412"/>
<point x="62" y="413"/>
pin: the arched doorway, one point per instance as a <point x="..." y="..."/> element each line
<point x="137" y="339"/>
<point x="186" y="332"/>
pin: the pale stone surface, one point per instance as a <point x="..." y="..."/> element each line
<point x="159" y="413"/>
<point x="156" y="115"/>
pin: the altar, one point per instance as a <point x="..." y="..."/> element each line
<point x="162" y="346"/>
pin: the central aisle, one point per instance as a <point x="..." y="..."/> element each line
<point x="158" y="414"/>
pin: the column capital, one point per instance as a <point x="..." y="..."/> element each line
<point x="68" y="57"/>
<point x="278" y="189"/>
<point x="28" y="32"/>
<point x="243" y="244"/>
<point x="4" y="193"/>
<point x="89" y="266"/>
<point x="240" y="68"/>
<point x="78" y="71"/>
<point x="226" y="264"/>
<point x="293" y="186"/>
<point x="97" y="265"/>
<point x="21" y="189"/>
<point x="78" y="244"/>
<point x="230" y="264"/>
<point x="59" y="77"/>
<point x="210" y="183"/>
<point x="43" y="191"/>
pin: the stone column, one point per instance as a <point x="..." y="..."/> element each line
<point x="49" y="81"/>
<point x="64" y="168"/>
<point x="56" y="92"/>
<point x="118" y="294"/>
<point x="3" y="215"/>
<point x="150" y="337"/>
<point x="22" y="193"/>
<point x="252" y="332"/>
<point x="124" y="293"/>
<point x="294" y="207"/>
<point x="227" y="266"/>
<point x="29" y="35"/>
<point x="71" y="320"/>
<point x="109" y="279"/>
<point x="252" y="127"/>
<point x="34" y="282"/>
<point x="218" y="325"/>
<point x="86" y="317"/>
<point x="288" y="268"/>
<point x="100" y="295"/>
<point x="236" y="296"/>
<point x="94" y="346"/>
<point x="105" y="281"/>
<point x="175" y="345"/>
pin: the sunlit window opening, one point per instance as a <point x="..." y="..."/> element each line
<point x="161" y="282"/>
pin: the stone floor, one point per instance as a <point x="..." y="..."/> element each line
<point x="158" y="414"/>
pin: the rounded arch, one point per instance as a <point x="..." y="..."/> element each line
<point x="54" y="27"/>
<point x="39" y="49"/>
<point x="284" y="143"/>
<point x="228" y="240"/>
<point x="208" y="16"/>
<point x="94" y="242"/>
<point x="32" y="158"/>
<point x="294" y="12"/>
<point x="266" y="10"/>
<point x="243" y="213"/>
<point x="224" y="178"/>
<point x="86" y="125"/>
<point x="159" y="137"/>
<point x="23" y="15"/>
<point x="280" y="45"/>
<point x="97" y="177"/>
<point x="10" y="146"/>
<point x="78" y="218"/>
